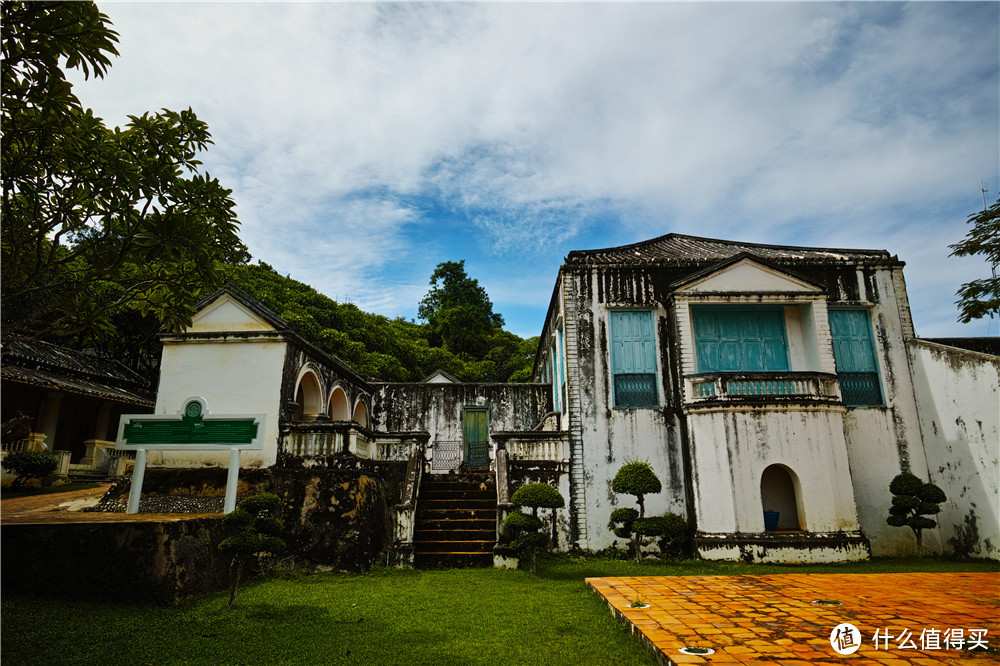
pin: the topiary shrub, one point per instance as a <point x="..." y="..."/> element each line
<point x="634" y="478"/>
<point x="26" y="465"/>
<point x="913" y="500"/>
<point x="675" y="539"/>
<point x="257" y="526"/>
<point x="528" y="538"/>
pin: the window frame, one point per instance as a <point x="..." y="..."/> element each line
<point x="657" y="393"/>
<point x="777" y="308"/>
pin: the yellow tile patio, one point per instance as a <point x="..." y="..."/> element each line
<point x="772" y="619"/>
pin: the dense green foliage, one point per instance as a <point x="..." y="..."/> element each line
<point x="458" y="312"/>
<point x="529" y="538"/>
<point x="375" y="345"/>
<point x="912" y="502"/>
<point x="97" y="220"/>
<point x="979" y="298"/>
<point x="257" y="528"/>
<point x="26" y="465"/>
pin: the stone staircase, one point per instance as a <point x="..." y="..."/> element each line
<point x="456" y="522"/>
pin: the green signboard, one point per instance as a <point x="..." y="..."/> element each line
<point x="192" y="429"/>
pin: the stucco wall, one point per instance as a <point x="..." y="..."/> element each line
<point x="883" y="441"/>
<point x="437" y="408"/>
<point x="731" y="450"/>
<point x="958" y="398"/>
<point x="235" y="376"/>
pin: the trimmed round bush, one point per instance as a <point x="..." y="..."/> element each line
<point x="905" y="484"/>
<point x="896" y="520"/>
<point x="244" y="543"/>
<point x="261" y="502"/>
<point x="268" y="525"/>
<point x="238" y="519"/>
<point x="920" y="523"/>
<point x="624" y="515"/>
<point x="932" y="494"/>
<point x="538" y="495"/>
<point x="272" y="544"/>
<point x="522" y="521"/>
<point x="636" y="478"/>
<point x="654" y="526"/>
<point x="906" y="502"/>
<point x="530" y="540"/>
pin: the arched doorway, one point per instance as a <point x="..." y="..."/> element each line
<point x="308" y="396"/>
<point x="340" y="410"/>
<point x="780" y="491"/>
<point x="361" y="414"/>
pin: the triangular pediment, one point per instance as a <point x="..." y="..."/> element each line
<point x="226" y="314"/>
<point x="745" y="275"/>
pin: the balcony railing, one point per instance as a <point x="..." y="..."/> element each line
<point x="761" y="386"/>
<point x="534" y="445"/>
<point x="318" y="439"/>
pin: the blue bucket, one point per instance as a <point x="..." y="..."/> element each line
<point x="770" y="520"/>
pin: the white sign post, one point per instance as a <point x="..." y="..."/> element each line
<point x="191" y="429"/>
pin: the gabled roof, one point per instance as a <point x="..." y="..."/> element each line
<point x="444" y="376"/>
<point x="680" y="250"/>
<point x="247" y="301"/>
<point x="49" y="366"/>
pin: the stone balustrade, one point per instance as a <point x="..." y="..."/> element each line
<point x="761" y="387"/>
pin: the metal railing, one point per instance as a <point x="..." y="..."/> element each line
<point x="447" y="455"/>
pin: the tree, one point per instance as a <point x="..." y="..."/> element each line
<point x="258" y="526"/>
<point x="636" y="478"/>
<point x="913" y="500"/>
<point x="26" y="465"/>
<point x="458" y="311"/>
<point x="529" y="538"/>
<point x="979" y="298"/>
<point x="97" y="220"/>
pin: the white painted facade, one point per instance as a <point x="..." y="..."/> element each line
<point x="718" y="453"/>
<point x="236" y="374"/>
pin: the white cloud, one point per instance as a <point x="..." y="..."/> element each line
<point x="540" y="123"/>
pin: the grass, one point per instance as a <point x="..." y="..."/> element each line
<point x="8" y="493"/>
<point x="471" y="616"/>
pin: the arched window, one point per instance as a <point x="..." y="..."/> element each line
<point x="361" y="414"/>
<point x="308" y="396"/>
<point x="780" y="492"/>
<point x="340" y="410"/>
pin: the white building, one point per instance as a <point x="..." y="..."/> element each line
<point x="752" y="377"/>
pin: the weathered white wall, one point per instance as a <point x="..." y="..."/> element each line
<point x="235" y="376"/>
<point x="731" y="449"/>
<point x="883" y="441"/>
<point x="958" y="398"/>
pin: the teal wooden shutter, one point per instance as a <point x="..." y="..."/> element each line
<point x="633" y="358"/>
<point x="854" y="354"/>
<point x="740" y="340"/>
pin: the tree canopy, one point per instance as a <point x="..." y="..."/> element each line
<point x="98" y="220"/>
<point x="458" y="311"/>
<point x="981" y="297"/>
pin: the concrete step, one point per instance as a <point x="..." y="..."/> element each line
<point x="453" y="546"/>
<point x="454" y="560"/>
<point x="459" y="524"/>
<point x="446" y="533"/>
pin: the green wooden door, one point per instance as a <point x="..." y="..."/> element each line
<point x="476" y="438"/>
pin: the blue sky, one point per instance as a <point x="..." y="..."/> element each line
<point x="367" y="142"/>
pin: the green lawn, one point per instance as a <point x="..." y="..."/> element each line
<point x="479" y="616"/>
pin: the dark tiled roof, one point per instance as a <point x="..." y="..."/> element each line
<point x="984" y="345"/>
<point x="678" y="249"/>
<point x="50" y="366"/>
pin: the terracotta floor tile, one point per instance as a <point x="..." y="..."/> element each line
<point x="769" y="619"/>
